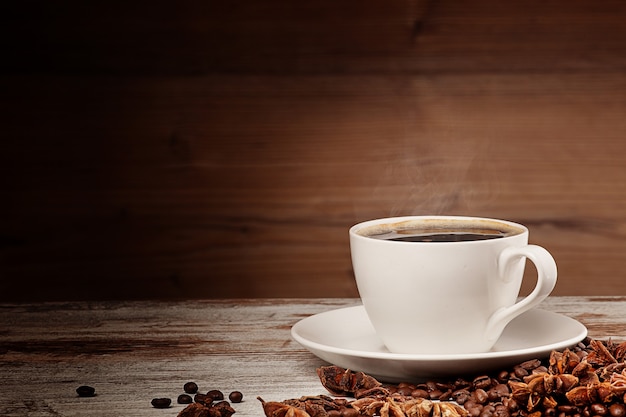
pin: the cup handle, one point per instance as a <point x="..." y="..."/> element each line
<point x="546" y="280"/>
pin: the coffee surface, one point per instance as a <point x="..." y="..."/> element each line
<point x="440" y="230"/>
<point x="420" y="235"/>
<point x="442" y="237"/>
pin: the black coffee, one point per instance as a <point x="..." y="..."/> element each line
<point x="442" y="237"/>
<point x="440" y="230"/>
<point x="435" y="235"/>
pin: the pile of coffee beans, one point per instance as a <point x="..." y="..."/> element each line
<point x="586" y="380"/>
<point x="201" y="403"/>
<point x="213" y="399"/>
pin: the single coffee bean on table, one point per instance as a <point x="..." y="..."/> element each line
<point x="86" y="391"/>
<point x="235" y="397"/>
<point x="215" y="394"/>
<point x="161" y="402"/>
<point x="190" y="387"/>
<point x="184" y="399"/>
<point x="202" y="399"/>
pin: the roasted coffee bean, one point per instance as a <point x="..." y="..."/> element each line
<point x="598" y="409"/>
<point x="520" y="372"/>
<point x="482" y="382"/>
<point x="503" y="376"/>
<point x="184" y="399"/>
<point x="498" y="391"/>
<point x="488" y="411"/>
<point x="404" y="390"/>
<point x="161" y="402"/>
<point x="442" y="386"/>
<point x="435" y="394"/>
<point x="530" y="364"/>
<point x="333" y="413"/>
<point x="474" y="409"/>
<point x="202" y="399"/>
<point x="501" y="411"/>
<point x="235" y="397"/>
<point x="460" y="383"/>
<point x="461" y="396"/>
<point x="431" y="385"/>
<point x="617" y="410"/>
<point x="215" y="394"/>
<point x="190" y="387"/>
<point x="445" y="396"/>
<point x="419" y="393"/>
<point x="86" y="391"/>
<point x="481" y="396"/>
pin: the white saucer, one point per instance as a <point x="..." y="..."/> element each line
<point x="346" y="338"/>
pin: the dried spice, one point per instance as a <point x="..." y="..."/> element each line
<point x="583" y="381"/>
<point x="339" y="381"/>
<point x="281" y="409"/>
<point x="194" y="410"/>
<point x="392" y="406"/>
<point x="403" y="407"/>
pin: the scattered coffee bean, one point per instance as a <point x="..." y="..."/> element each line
<point x="215" y="394"/>
<point x="184" y="399"/>
<point x="190" y="387"/>
<point x="161" y="402"/>
<point x="86" y="391"/>
<point x="203" y="399"/>
<point x="235" y="397"/>
<point x="210" y="404"/>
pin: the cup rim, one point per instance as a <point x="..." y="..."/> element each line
<point x="354" y="230"/>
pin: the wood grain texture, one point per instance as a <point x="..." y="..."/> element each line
<point x="132" y="352"/>
<point x="197" y="149"/>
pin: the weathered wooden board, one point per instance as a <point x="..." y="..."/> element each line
<point x="132" y="352"/>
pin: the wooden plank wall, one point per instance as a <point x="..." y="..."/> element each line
<point x="189" y="149"/>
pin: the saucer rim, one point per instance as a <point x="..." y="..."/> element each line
<point x="581" y="333"/>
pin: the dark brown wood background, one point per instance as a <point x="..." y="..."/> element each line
<point x="223" y="149"/>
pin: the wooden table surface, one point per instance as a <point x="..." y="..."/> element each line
<point x="132" y="352"/>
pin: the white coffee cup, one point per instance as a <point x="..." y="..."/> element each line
<point x="450" y="297"/>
